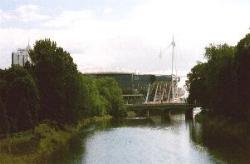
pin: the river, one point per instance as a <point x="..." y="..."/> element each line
<point x="143" y="141"/>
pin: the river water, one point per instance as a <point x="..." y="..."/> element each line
<point x="146" y="141"/>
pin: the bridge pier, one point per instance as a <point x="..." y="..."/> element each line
<point x="165" y="116"/>
<point x="189" y="114"/>
<point x="147" y="113"/>
<point x="161" y="109"/>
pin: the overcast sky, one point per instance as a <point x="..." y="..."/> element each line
<point x="124" y="35"/>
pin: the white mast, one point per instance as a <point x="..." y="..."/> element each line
<point x="172" y="71"/>
<point x="173" y="77"/>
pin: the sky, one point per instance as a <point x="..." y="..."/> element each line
<point x="124" y="35"/>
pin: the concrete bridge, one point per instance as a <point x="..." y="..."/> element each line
<point x="162" y="109"/>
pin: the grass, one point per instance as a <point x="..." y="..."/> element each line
<point x="40" y="145"/>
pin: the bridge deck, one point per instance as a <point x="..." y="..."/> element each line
<point x="161" y="106"/>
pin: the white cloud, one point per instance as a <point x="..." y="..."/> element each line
<point x="4" y="16"/>
<point x="133" y="42"/>
<point x="70" y="19"/>
<point x="29" y="13"/>
<point x="24" y="13"/>
<point x="107" y="11"/>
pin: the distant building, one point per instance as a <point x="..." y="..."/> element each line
<point x="131" y="83"/>
<point x="135" y="86"/>
<point x="21" y="56"/>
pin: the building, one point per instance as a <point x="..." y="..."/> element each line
<point x="138" y="88"/>
<point x="133" y="83"/>
<point x="21" y="56"/>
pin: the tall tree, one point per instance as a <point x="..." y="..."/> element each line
<point x="21" y="99"/>
<point x="4" y="122"/>
<point x="196" y="84"/>
<point x="57" y="78"/>
<point x="92" y="103"/>
<point x="110" y="90"/>
<point x="221" y="78"/>
<point x="243" y="67"/>
<point x="214" y="82"/>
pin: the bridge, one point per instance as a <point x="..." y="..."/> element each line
<point x="162" y="109"/>
<point x="146" y="94"/>
<point x="158" y="106"/>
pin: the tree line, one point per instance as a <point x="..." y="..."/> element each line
<point x="222" y="83"/>
<point x="50" y="88"/>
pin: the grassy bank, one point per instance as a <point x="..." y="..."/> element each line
<point x="40" y="144"/>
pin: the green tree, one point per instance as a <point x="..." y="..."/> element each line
<point x="196" y="84"/>
<point x="221" y="77"/>
<point x="4" y="122"/>
<point x="92" y="103"/>
<point x="110" y="90"/>
<point x="21" y="99"/>
<point x="213" y="84"/>
<point x="58" y="81"/>
<point x="243" y="67"/>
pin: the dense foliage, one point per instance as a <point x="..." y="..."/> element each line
<point x="57" y="80"/>
<point x="19" y="99"/>
<point x="109" y="89"/>
<point x="51" y="88"/>
<point x="222" y="84"/>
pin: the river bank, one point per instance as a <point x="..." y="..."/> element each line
<point x="42" y="143"/>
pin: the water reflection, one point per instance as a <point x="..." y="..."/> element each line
<point x="147" y="141"/>
<point x="144" y="141"/>
<point x="226" y="151"/>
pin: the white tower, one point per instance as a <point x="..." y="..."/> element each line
<point x="172" y="70"/>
